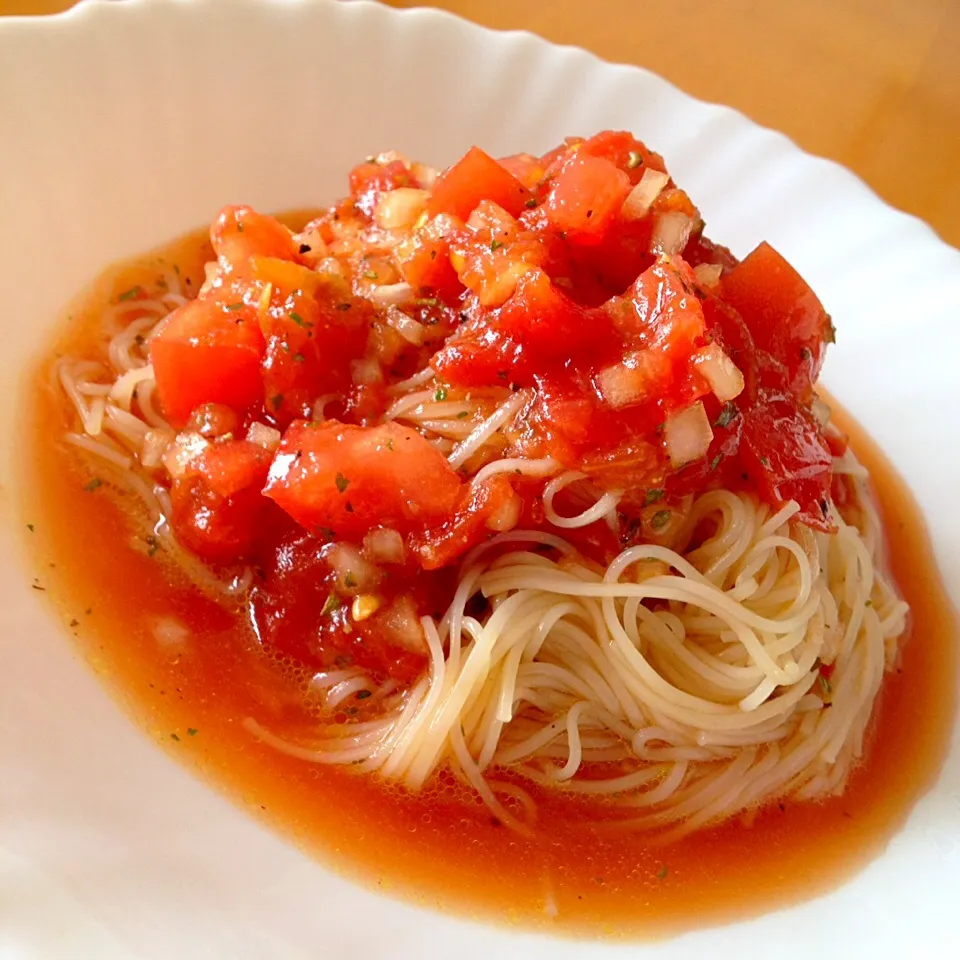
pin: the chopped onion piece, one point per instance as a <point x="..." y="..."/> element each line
<point x="384" y="546"/>
<point x="411" y="330"/>
<point x="687" y="435"/>
<point x="643" y="194"/>
<point x="155" y="443"/>
<point x="186" y="447"/>
<point x="366" y="371"/>
<point x="263" y="436"/>
<point x="671" y="231"/>
<point x="400" y="207"/>
<point x="821" y="411"/>
<point x="723" y="375"/>
<point x="354" y="574"/>
<point x="401" y="624"/>
<point x="392" y="294"/>
<point x="621" y="385"/>
<point x="425" y="175"/>
<point x="708" y="274"/>
<point x="314" y="242"/>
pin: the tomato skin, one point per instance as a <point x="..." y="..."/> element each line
<point x="585" y="197"/>
<point x="217" y="504"/>
<point x="785" y="317"/>
<point x="207" y="352"/>
<point x="344" y="480"/>
<point x="240" y="232"/>
<point x="475" y="177"/>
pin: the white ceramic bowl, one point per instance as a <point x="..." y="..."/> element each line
<point x="124" y="124"/>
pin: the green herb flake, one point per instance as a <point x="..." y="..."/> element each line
<point x="363" y="694"/>
<point x="93" y="484"/>
<point x="463" y="414"/>
<point x="662" y="872"/>
<point x="173" y="736"/>
<point x="130" y="294"/>
<point x="234" y="307"/>
<point x="727" y="415"/>
<point x="805" y="353"/>
<point x="824" y="685"/>
<point x="441" y="394"/>
<point x="634" y="159"/>
<point x="192" y="731"/>
<point x="370" y="274"/>
<point x="331" y="604"/>
<point x="660" y="519"/>
<point x="299" y="358"/>
<point x="277" y="400"/>
<point x="765" y="461"/>
<point x="427" y="302"/>
<point x="715" y="462"/>
<point x="653" y="496"/>
<point x="531" y="203"/>
<point x="153" y="544"/>
<point x="344" y="306"/>
<point x="390" y="444"/>
<point x="495" y="245"/>
<point x="299" y="321"/>
<point x="342" y="482"/>
<point x="349" y="580"/>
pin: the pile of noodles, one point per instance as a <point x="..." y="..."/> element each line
<point x="682" y="686"/>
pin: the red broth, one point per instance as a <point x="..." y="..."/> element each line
<point x="442" y="849"/>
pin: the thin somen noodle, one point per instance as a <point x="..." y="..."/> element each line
<point x="727" y="652"/>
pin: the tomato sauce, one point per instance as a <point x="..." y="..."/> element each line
<point x="442" y="849"/>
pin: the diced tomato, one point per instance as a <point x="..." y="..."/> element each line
<point x="529" y="170"/>
<point x="440" y="545"/>
<point x="240" y="232"/>
<point x="548" y="323"/>
<point x="783" y="451"/>
<point x="585" y="197"/>
<point x="699" y="250"/>
<point x="218" y="503"/>
<point x="369" y="181"/>
<point x="297" y="611"/>
<point x="344" y="479"/>
<point x="313" y="328"/>
<point x="207" y="352"/>
<point x="475" y="177"/>
<point x="784" y="315"/>
<point x="625" y="152"/>
<point x="424" y="258"/>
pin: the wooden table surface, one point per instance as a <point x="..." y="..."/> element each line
<point x="873" y="84"/>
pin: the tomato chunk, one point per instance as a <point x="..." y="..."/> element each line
<point x="240" y="232"/>
<point x="783" y="450"/>
<point x="586" y="196"/>
<point x="369" y="181"/>
<point x="783" y="314"/>
<point x="207" y="352"/>
<point x="343" y="480"/>
<point x="217" y="504"/>
<point x="475" y="177"/>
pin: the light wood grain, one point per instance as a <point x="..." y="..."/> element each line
<point x="873" y="84"/>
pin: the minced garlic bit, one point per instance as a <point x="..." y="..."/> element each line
<point x="365" y="605"/>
